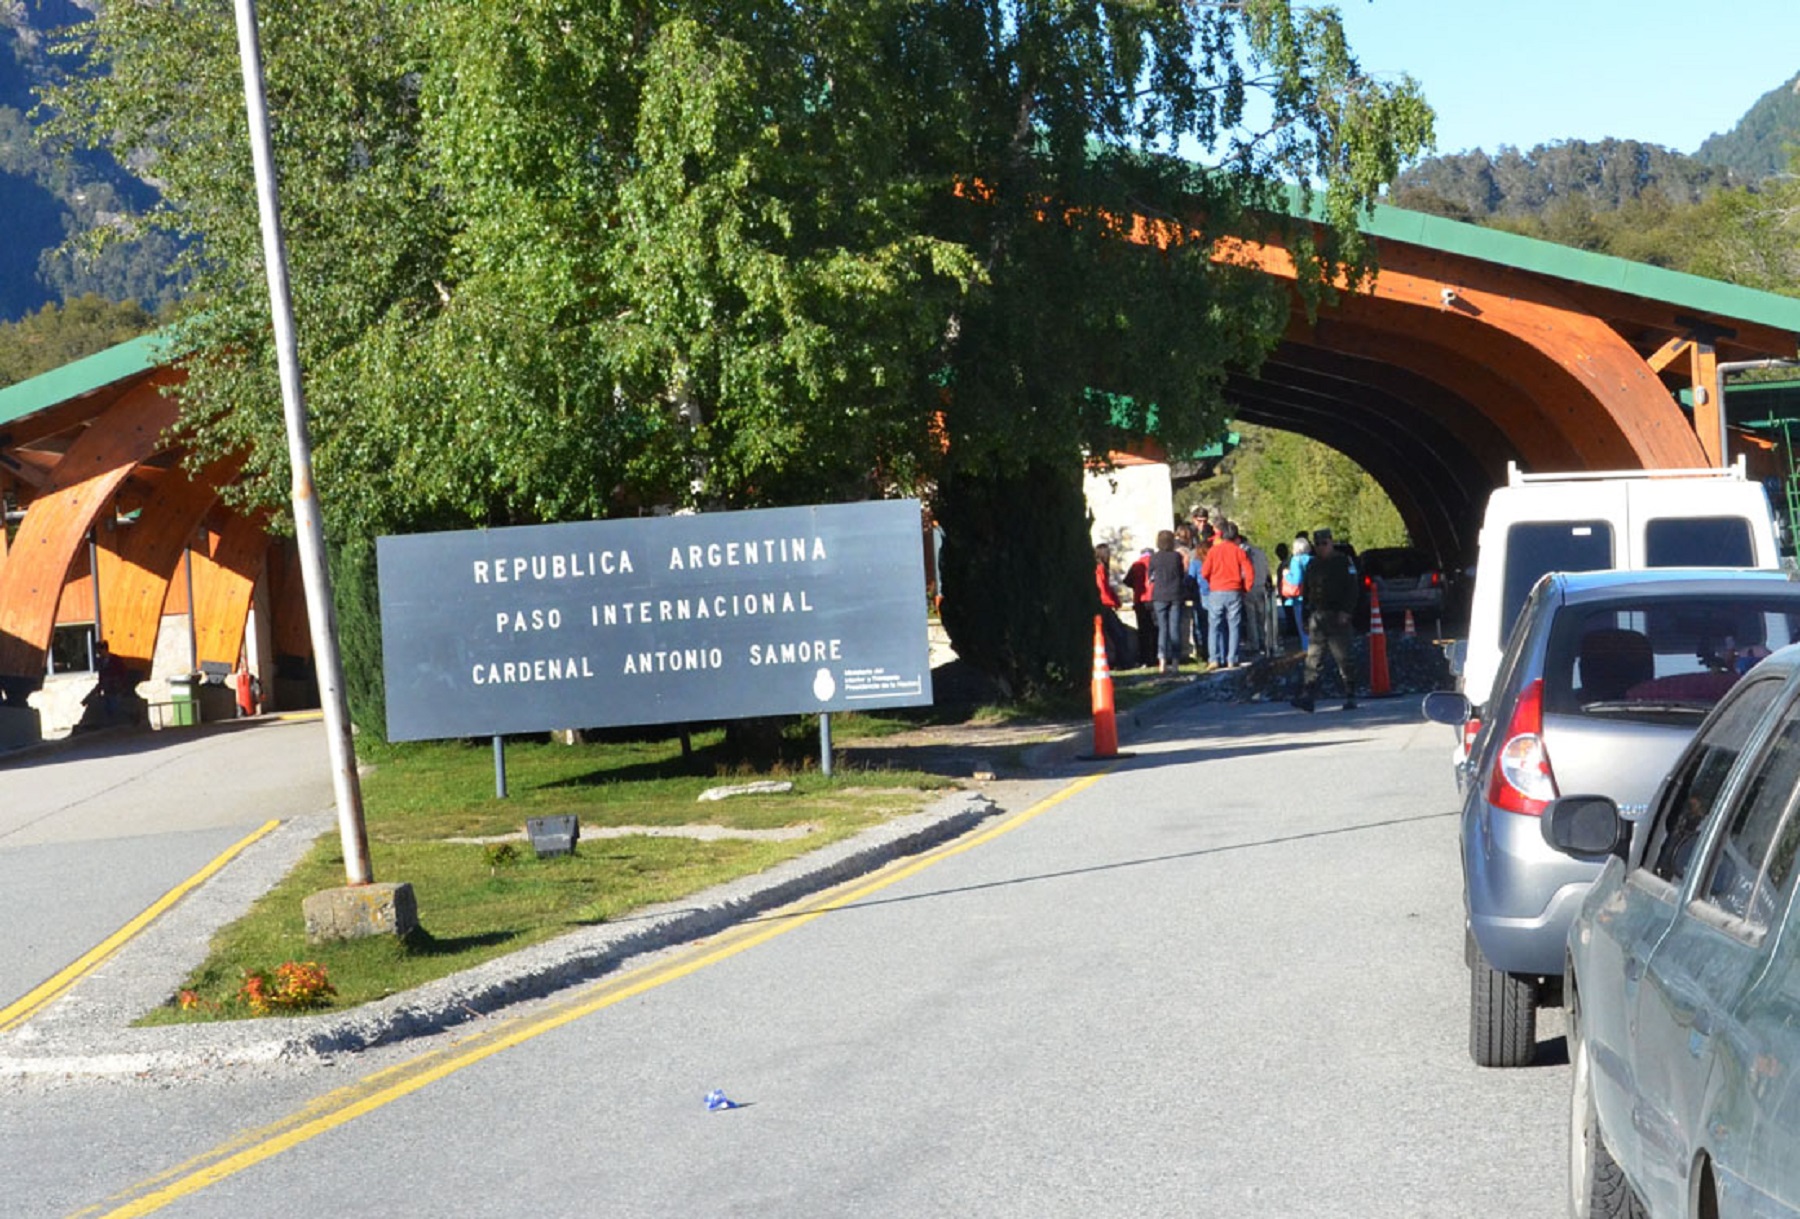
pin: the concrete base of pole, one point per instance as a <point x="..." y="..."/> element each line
<point x="359" y="911"/>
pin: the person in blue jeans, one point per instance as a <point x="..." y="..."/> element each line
<point x="1227" y="576"/>
<point x="1165" y="601"/>
<point x="1293" y="583"/>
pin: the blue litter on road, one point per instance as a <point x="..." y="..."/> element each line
<point x="716" y="1100"/>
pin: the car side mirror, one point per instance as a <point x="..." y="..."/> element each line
<point x="1586" y="825"/>
<point x="1446" y="707"/>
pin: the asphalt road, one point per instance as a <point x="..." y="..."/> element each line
<point x="1225" y="978"/>
<point x="93" y="833"/>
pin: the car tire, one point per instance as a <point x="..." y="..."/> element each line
<point x="1597" y="1185"/>
<point x="1502" y="1016"/>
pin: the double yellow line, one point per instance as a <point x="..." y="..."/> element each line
<point x="19" y="1012"/>
<point x="346" y="1104"/>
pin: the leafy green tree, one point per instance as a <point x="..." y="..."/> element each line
<point x="558" y="260"/>
<point x="1276" y="483"/>
<point x="58" y="334"/>
<point x="1749" y="237"/>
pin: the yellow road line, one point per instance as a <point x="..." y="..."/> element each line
<point x="382" y="1088"/>
<point x="23" y="1009"/>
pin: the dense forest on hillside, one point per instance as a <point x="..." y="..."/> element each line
<point x="1723" y="215"/>
<point x="48" y="198"/>
<point x="1725" y="211"/>
<point x="1763" y="142"/>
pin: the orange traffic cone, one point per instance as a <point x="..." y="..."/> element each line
<point x="1106" y="728"/>
<point x="1411" y="633"/>
<point x="1378" y="666"/>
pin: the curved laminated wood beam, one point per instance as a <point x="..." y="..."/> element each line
<point x="224" y="582"/>
<point x="1463" y="435"/>
<point x="56" y="524"/>
<point x="1566" y="359"/>
<point x="138" y="561"/>
<point x="1504" y="404"/>
<point x="287" y="602"/>
<point x="1397" y="466"/>
<point x="1432" y="479"/>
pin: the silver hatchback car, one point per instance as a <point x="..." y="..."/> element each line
<point x="1683" y="980"/>
<point x="1603" y="680"/>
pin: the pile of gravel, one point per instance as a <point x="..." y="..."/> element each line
<point x="1415" y="666"/>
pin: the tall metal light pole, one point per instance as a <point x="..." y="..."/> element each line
<point x="309" y="529"/>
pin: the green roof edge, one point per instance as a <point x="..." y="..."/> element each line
<point x="1584" y="267"/>
<point x="84" y="376"/>
<point x="1564" y="262"/>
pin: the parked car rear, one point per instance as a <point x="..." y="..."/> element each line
<point x="1683" y="973"/>
<point x="1405" y="579"/>
<point x="1604" y="679"/>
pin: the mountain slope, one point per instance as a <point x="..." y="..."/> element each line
<point x="1764" y="140"/>
<point x="46" y="199"/>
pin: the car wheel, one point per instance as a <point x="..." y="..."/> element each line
<point x="1597" y="1185"/>
<point x="1502" y="1016"/>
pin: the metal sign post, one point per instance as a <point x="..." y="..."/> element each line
<point x="309" y="528"/>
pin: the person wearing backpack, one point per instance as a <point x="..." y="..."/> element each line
<point x="1293" y="582"/>
<point x="1330" y="595"/>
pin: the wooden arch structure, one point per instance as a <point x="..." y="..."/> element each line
<point x="109" y="535"/>
<point x="1471" y="349"/>
<point x="1474" y="348"/>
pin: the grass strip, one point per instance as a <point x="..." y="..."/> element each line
<point x="480" y="899"/>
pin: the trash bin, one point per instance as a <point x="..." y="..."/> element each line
<point x="184" y="708"/>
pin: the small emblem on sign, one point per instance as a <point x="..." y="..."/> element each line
<point x="824" y="685"/>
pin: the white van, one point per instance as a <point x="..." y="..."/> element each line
<point x="1591" y="521"/>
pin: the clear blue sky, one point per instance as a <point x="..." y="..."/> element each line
<point x="1526" y="72"/>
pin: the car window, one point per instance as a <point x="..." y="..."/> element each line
<point x="1536" y="547"/>
<point x="1739" y="882"/>
<point x="1512" y="669"/>
<point x="1694" y="787"/>
<point x="1663" y="658"/>
<point x="1698" y="541"/>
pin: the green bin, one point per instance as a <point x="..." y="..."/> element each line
<point x="184" y="708"/>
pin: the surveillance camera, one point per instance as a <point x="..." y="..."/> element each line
<point x="1448" y="296"/>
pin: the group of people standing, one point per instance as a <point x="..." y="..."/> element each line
<point x="1203" y="590"/>
<point x="1206" y="585"/>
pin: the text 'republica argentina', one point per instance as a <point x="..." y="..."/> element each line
<point x="597" y="564"/>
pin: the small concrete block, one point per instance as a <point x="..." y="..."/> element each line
<point x="358" y="911"/>
<point x="553" y="835"/>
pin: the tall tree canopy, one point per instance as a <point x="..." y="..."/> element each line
<point x="564" y="258"/>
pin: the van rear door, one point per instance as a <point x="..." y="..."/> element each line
<point x="1699" y="523"/>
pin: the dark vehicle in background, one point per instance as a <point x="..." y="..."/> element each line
<point x="1683" y="974"/>
<point x="1604" y="679"/>
<point x="1405" y="579"/>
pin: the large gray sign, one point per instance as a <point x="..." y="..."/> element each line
<point x="654" y="620"/>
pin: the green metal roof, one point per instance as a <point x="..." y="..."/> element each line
<point x="84" y="376"/>
<point x="1584" y="267"/>
<point x="1759" y="403"/>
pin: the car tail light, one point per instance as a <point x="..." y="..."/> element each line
<point x="1522" y="781"/>
<point x="1471" y="730"/>
<point x="1437" y="578"/>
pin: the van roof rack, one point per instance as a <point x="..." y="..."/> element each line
<point x="1516" y="477"/>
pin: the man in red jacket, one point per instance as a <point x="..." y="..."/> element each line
<point x="1137" y="579"/>
<point x="1228" y="576"/>
<point x="1118" y="645"/>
